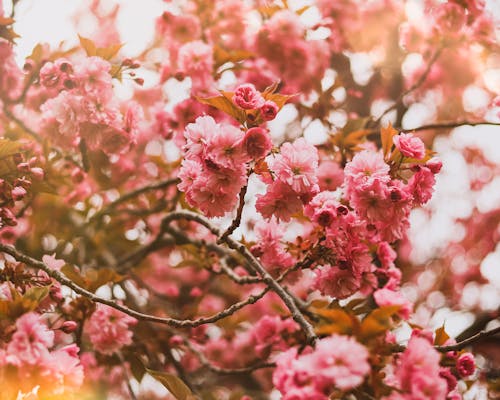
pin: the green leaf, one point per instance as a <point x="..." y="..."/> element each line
<point x="174" y="384"/>
<point x="136" y="367"/>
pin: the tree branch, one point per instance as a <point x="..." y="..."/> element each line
<point x="414" y="87"/>
<point x="129" y="196"/>
<point x="254" y="264"/>
<point x="224" y="371"/>
<point x="473" y="339"/>
<point x="177" y="323"/>
<point x="20" y="123"/>
<point x="448" y="125"/>
<point x="237" y="220"/>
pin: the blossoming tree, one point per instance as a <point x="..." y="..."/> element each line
<point x="248" y="238"/>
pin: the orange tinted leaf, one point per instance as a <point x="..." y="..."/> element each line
<point x="354" y="138"/>
<point x="97" y="278"/>
<point x="37" y="53"/>
<point x="88" y="45"/>
<point x="108" y="52"/>
<point x="73" y="274"/>
<point x="338" y="322"/>
<point x="302" y="10"/>
<point x="270" y="89"/>
<point x="378" y="321"/>
<point x="279" y="99"/>
<point x="441" y="336"/>
<point x="224" y="104"/>
<point x="223" y="56"/>
<point x="386" y="135"/>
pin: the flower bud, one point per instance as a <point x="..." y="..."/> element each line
<point x="466" y="365"/>
<point x="69" y="326"/>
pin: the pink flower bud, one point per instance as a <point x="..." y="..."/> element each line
<point x="257" y="143"/>
<point x="69" y="326"/>
<point x="195" y="292"/>
<point x="7" y="217"/>
<point x="23" y="167"/>
<point x="269" y="110"/>
<point x="176" y="341"/>
<point x="37" y="173"/>
<point x="247" y="97"/>
<point x="466" y="365"/>
<point x="18" y="193"/>
<point x="435" y="165"/>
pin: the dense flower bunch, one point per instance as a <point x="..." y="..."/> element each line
<point x="236" y="210"/>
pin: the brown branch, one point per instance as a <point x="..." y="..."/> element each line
<point x="438" y="125"/>
<point x="21" y="124"/>
<point x="254" y="264"/>
<point x="225" y="371"/>
<point x="448" y="125"/>
<point x="237" y="220"/>
<point x="127" y="377"/>
<point x="177" y="323"/>
<point x="129" y="196"/>
<point x="414" y="87"/>
<point x="473" y="339"/>
<point x="240" y="280"/>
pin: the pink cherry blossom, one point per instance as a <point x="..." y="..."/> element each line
<point x="268" y="110"/>
<point x="257" y="143"/>
<point x="409" y="145"/>
<point x="296" y="165"/>
<point x="109" y="329"/>
<point x="466" y="364"/>
<point x="247" y="97"/>
<point x="31" y="342"/>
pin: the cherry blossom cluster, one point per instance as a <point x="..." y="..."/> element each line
<point x="80" y="106"/>
<point x="337" y="363"/>
<point x="119" y="279"/>
<point x="37" y="355"/>
<point x="16" y="185"/>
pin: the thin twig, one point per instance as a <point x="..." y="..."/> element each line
<point x="237" y="220"/>
<point x="177" y="323"/>
<point x="438" y="125"/>
<point x="254" y="264"/>
<point x="129" y="196"/>
<point x="225" y="371"/>
<point x="127" y="377"/>
<point x="449" y="125"/>
<point x="20" y="123"/>
<point x="466" y="342"/>
<point x="414" y="87"/>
